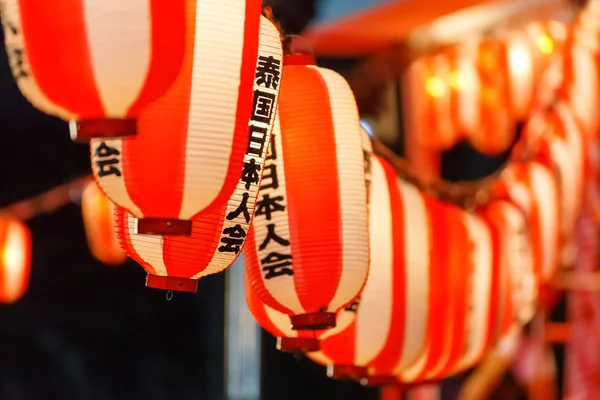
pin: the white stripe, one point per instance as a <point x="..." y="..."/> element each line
<point x="545" y="195"/>
<point x="121" y="65"/>
<point x="478" y="319"/>
<point x="112" y="185"/>
<point x="583" y="94"/>
<point x="14" y="256"/>
<point x="269" y="45"/>
<point x="574" y="139"/>
<point x="417" y="270"/>
<point x="218" y="50"/>
<point x="282" y="288"/>
<point x="280" y="320"/>
<point x="148" y="247"/>
<point x="521" y="73"/>
<point x="568" y="189"/>
<point x="445" y="125"/>
<point x="11" y="17"/>
<point x="353" y="194"/>
<point x="376" y="308"/>
<point x="501" y="252"/>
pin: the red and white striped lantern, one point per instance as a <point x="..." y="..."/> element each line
<point x="308" y="249"/>
<point x="117" y="57"/>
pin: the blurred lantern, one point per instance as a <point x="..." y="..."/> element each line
<point x="308" y="252"/>
<point x="496" y="129"/>
<point x="555" y="140"/>
<point x="15" y="245"/>
<point x="278" y="323"/>
<point x="390" y="330"/>
<point x="218" y="116"/>
<point x="199" y="182"/>
<point x="533" y="188"/>
<point x="428" y="102"/>
<point x="98" y="222"/>
<point x="117" y="57"/>
<point x="520" y="73"/>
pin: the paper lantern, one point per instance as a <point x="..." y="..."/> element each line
<point x="308" y="251"/>
<point x="15" y="263"/>
<point x="97" y="211"/>
<point x="390" y="330"/>
<point x="115" y="57"/>
<point x="200" y="149"/>
<point x="428" y="102"/>
<point x="496" y="130"/>
<point x="534" y="189"/>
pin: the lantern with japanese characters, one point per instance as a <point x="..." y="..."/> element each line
<point x="15" y="259"/>
<point x="97" y="211"/>
<point x="98" y="63"/>
<point x="307" y="250"/>
<point x="390" y="329"/>
<point x="200" y="181"/>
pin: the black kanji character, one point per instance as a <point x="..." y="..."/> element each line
<point x="250" y="173"/>
<point x="270" y="173"/>
<point x="242" y="208"/>
<point x="264" y="104"/>
<point x="272" y="151"/>
<point x="276" y="264"/>
<point x="105" y="150"/>
<point x="107" y="167"/>
<point x="17" y="62"/>
<point x="256" y="141"/>
<point x="267" y="206"/>
<point x="354" y="306"/>
<point x="268" y="72"/>
<point x="271" y="235"/>
<point x="234" y="240"/>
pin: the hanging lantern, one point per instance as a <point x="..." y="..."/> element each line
<point x="534" y="189"/>
<point x="15" y="245"/>
<point x="278" y="323"/>
<point x="97" y="211"/>
<point x="114" y="58"/>
<point x="428" y="102"/>
<point x="218" y="116"/>
<point x="307" y="253"/>
<point x="390" y="330"/>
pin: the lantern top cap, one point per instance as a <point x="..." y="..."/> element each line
<point x="298" y="59"/>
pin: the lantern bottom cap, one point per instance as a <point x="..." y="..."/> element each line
<point x="313" y="321"/>
<point x="347" y="372"/>
<point x="87" y="129"/>
<point x="297" y="345"/>
<point x="172" y="283"/>
<point x="379" y="380"/>
<point x="164" y="227"/>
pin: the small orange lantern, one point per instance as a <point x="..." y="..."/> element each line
<point x="98" y="222"/>
<point x="116" y="58"/>
<point x="15" y="261"/>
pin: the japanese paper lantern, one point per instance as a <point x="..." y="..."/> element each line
<point x="533" y="188"/>
<point x="428" y="102"/>
<point x="390" y="329"/>
<point x="308" y="251"/>
<point x="98" y="62"/>
<point x="200" y="149"/>
<point x="496" y="130"/>
<point x="97" y="211"/>
<point x="15" y="263"/>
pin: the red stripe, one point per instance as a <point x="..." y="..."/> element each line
<point x="494" y="297"/>
<point x="168" y="37"/>
<point x="312" y="181"/>
<point x="257" y="308"/>
<point x="341" y="348"/>
<point x="56" y="45"/>
<point x="391" y="353"/>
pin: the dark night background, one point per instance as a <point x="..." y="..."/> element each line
<point x="88" y="331"/>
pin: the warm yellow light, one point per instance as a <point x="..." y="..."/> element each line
<point x="435" y="86"/>
<point x="545" y="44"/>
<point x="14" y="260"/>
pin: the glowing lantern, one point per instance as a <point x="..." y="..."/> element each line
<point x="200" y="149"/>
<point x="15" y="245"/>
<point x="428" y="100"/>
<point x="115" y="57"/>
<point x="98" y="222"/>
<point x="534" y="189"/>
<point x="390" y="330"/>
<point x="308" y="252"/>
<point x="496" y="130"/>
